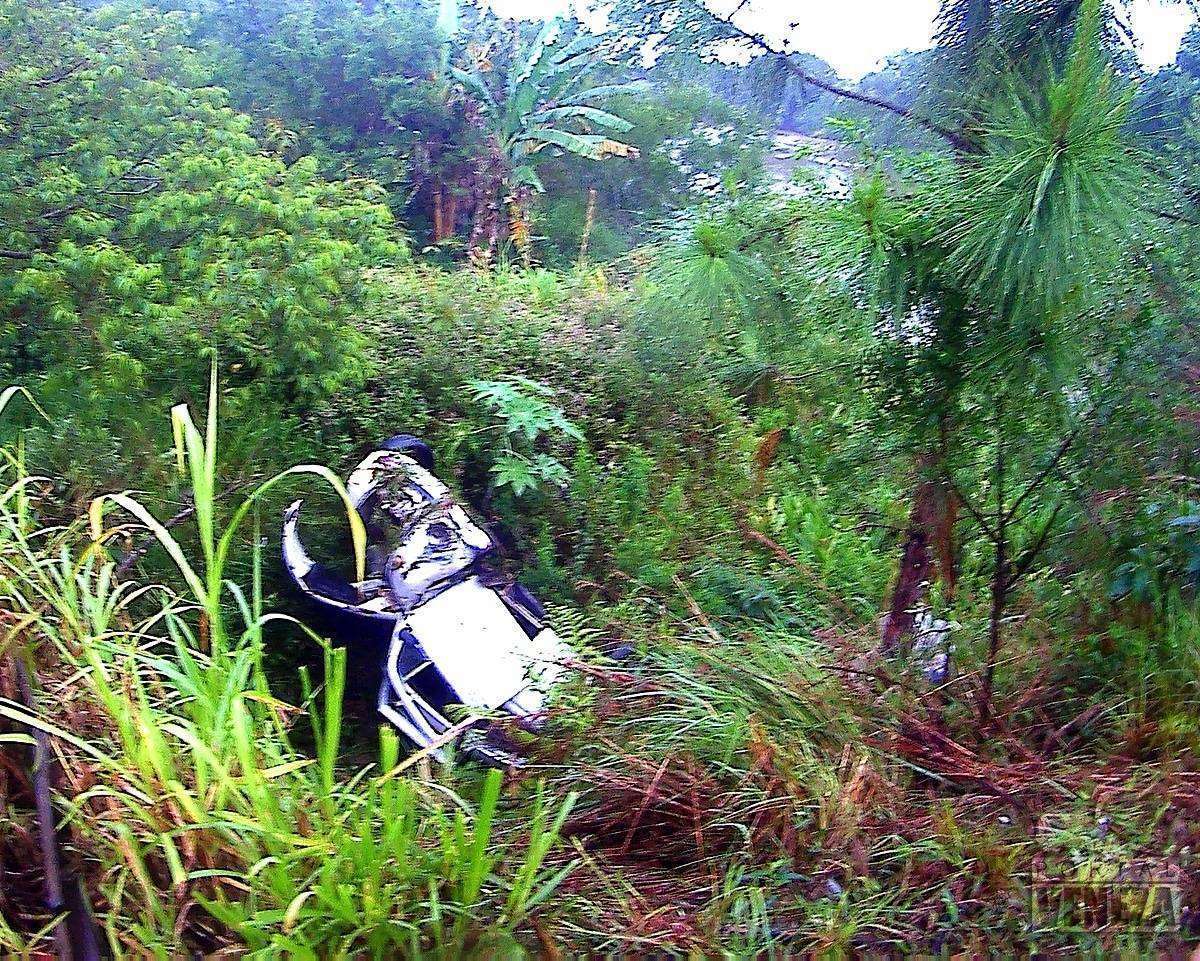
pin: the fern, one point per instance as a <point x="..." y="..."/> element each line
<point x="573" y="626"/>
<point x="525" y="416"/>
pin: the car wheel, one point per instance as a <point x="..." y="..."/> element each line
<point x="414" y="447"/>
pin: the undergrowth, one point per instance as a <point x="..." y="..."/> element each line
<point x="753" y="779"/>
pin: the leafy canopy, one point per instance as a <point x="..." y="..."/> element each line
<point x="145" y="230"/>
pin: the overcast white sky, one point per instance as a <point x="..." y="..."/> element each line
<point x="855" y="35"/>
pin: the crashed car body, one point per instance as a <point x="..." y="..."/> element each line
<point x="451" y="629"/>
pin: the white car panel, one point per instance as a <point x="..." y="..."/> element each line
<point x="481" y="649"/>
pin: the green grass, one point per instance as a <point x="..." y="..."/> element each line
<point x="200" y="822"/>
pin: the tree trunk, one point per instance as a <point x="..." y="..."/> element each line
<point x="477" y="229"/>
<point x="929" y="550"/>
<point x="493" y="233"/>
<point x="589" y="221"/>
<point x="916" y="565"/>
<point x="439" y="219"/>
<point x="488" y="182"/>
<point x="945" y="553"/>
<point x="483" y="228"/>
<point x="995" y="628"/>
<point x="450" y="217"/>
<point x="485" y="234"/>
<point x="518" y="225"/>
<point x="1000" y="578"/>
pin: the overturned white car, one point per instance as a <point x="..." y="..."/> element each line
<point x="450" y="629"/>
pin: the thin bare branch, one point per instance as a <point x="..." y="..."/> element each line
<point x="1021" y="566"/>
<point x="61" y="75"/>
<point x="975" y="513"/>
<point x="955" y="139"/>
<point x="1045" y="472"/>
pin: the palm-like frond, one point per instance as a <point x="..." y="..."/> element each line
<point x="546" y="101"/>
<point x="591" y="146"/>
<point x="592" y="115"/>
<point x="606" y="91"/>
<point x="473" y="82"/>
<point x="535" y="56"/>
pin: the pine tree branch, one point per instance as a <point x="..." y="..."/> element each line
<point x="61" y="75"/>
<point x="959" y="142"/>
<point x="1175" y="217"/>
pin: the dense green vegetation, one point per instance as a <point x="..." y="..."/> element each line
<point x="761" y="434"/>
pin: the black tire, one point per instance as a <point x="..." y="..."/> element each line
<point x="414" y="447"/>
